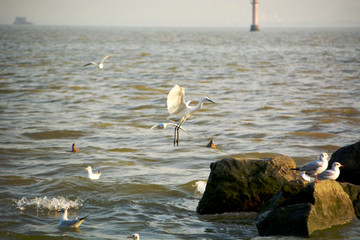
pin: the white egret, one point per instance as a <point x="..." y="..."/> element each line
<point x="180" y="110"/>
<point x="332" y="173"/>
<point x="135" y="236"/>
<point x="67" y="223"/>
<point x="92" y="175"/>
<point x="100" y="65"/>
<point x="160" y="126"/>
<point x="317" y="166"/>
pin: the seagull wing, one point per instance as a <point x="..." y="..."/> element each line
<point x="91" y="63"/>
<point x="326" y="174"/>
<point x="105" y="58"/>
<point x="158" y="126"/>
<point x="71" y="223"/>
<point x="173" y="124"/>
<point x="176" y="102"/>
<point x="311" y="167"/>
<point x="185" y="130"/>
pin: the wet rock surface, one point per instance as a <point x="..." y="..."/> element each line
<point x="236" y="185"/>
<point x="349" y="156"/>
<point x="300" y="209"/>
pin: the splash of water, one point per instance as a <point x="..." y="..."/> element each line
<point x="45" y="203"/>
<point x="200" y="186"/>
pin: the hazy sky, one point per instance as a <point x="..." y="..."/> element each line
<point x="184" y="13"/>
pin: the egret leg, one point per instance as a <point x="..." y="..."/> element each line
<point x="175" y="134"/>
<point x="178" y="130"/>
<point x="178" y="135"/>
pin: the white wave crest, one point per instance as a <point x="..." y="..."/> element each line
<point x="45" y="203"/>
<point x="200" y="187"/>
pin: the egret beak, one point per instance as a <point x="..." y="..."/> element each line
<point x="210" y="100"/>
<point x="342" y="166"/>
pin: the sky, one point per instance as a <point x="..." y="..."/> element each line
<point x="183" y="13"/>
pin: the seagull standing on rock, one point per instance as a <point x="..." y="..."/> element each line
<point x="316" y="167"/>
<point x="332" y="173"/>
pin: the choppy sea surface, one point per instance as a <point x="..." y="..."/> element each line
<point x="277" y="91"/>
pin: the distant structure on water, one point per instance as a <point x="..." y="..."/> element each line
<point x="255" y="23"/>
<point x="22" y="20"/>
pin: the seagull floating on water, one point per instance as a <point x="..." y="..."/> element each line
<point x="73" y="148"/>
<point x="92" y="175"/>
<point x="135" y="236"/>
<point x="180" y="110"/>
<point x="67" y="223"/>
<point x="100" y="65"/>
<point x="332" y="173"/>
<point x="164" y="125"/>
<point x="317" y="166"/>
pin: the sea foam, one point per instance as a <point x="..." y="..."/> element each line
<point x="200" y="186"/>
<point x="45" y="203"/>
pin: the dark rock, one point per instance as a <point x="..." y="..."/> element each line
<point x="236" y="185"/>
<point x="300" y="209"/>
<point x="354" y="193"/>
<point x="349" y="156"/>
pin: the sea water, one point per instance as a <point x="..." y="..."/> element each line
<point x="277" y="91"/>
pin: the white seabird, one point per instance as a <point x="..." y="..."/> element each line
<point x="164" y="125"/>
<point x="135" y="236"/>
<point x="305" y="176"/>
<point x="100" y="65"/>
<point x="317" y="166"/>
<point x="180" y="110"/>
<point x="332" y="173"/>
<point x="92" y="175"/>
<point x="67" y="223"/>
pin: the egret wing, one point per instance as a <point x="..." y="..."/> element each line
<point x="176" y="100"/>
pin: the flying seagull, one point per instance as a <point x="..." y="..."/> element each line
<point x="100" y="65"/>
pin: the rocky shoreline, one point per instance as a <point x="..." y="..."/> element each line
<point x="287" y="204"/>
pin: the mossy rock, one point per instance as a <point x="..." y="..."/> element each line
<point x="354" y="194"/>
<point x="236" y="185"/>
<point x="302" y="210"/>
